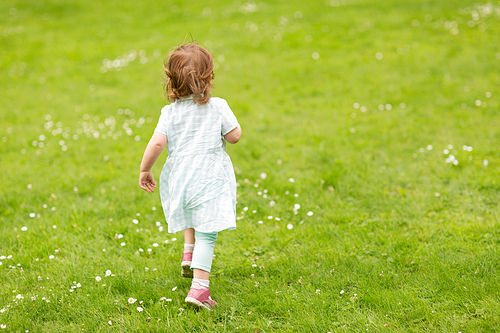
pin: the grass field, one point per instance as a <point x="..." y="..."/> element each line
<point x="368" y="170"/>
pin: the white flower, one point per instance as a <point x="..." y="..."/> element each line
<point x="310" y="213"/>
<point x="155" y="244"/>
<point x="132" y="300"/>
<point x="291" y="180"/>
<point x="158" y="223"/>
<point x="19" y="296"/>
<point x="24" y="228"/>
<point x="98" y="278"/>
<point x="3" y="326"/>
<point x="451" y="159"/>
<point x="290" y="226"/>
<point x="139" y="309"/>
<point x="263" y="175"/>
<point x="78" y="285"/>
<point x="2" y="310"/>
<point x="110" y="322"/>
<point x="341" y="292"/>
<point x="108" y="272"/>
<point x="134" y="221"/>
<point x="122" y="244"/>
<point x="174" y="288"/>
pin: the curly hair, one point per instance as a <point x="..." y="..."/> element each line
<point x="189" y="71"/>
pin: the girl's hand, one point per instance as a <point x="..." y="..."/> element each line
<point x="147" y="181"/>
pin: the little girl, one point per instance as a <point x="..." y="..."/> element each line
<point x="197" y="183"/>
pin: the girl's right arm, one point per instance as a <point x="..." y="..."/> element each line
<point x="153" y="151"/>
<point x="233" y="136"/>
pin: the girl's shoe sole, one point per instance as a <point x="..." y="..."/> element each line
<point x="194" y="302"/>
<point x="186" y="270"/>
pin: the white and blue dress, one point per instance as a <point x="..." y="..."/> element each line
<point x="197" y="183"/>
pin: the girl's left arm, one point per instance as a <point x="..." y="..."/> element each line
<point x="153" y="151"/>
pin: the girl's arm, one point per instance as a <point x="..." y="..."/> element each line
<point x="153" y="151"/>
<point x="233" y="136"/>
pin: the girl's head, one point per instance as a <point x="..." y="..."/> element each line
<point x="189" y="72"/>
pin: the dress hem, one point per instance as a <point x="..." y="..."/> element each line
<point x="173" y="231"/>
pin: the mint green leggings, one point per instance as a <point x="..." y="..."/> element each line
<point x="203" y="250"/>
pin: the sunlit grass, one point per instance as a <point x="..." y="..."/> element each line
<point x="368" y="168"/>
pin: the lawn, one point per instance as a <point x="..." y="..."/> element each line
<point x="368" y="171"/>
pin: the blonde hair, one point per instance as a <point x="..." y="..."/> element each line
<point x="189" y="71"/>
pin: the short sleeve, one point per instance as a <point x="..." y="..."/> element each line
<point x="161" y="127"/>
<point x="229" y="121"/>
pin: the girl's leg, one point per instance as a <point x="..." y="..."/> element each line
<point x="203" y="254"/>
<point x="189" y="236"/>
<point x="188" y="253"/>
<point x="199" y="295"/>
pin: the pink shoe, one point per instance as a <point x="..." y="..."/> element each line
<point x="187" y="258"/>
<point x="200" y="298"/>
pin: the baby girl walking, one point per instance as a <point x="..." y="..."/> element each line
<point x="197" y="183"/>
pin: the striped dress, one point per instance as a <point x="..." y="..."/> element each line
<point x="197" y="182"/>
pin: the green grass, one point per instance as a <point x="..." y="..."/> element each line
<point x="355" y="102"/>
